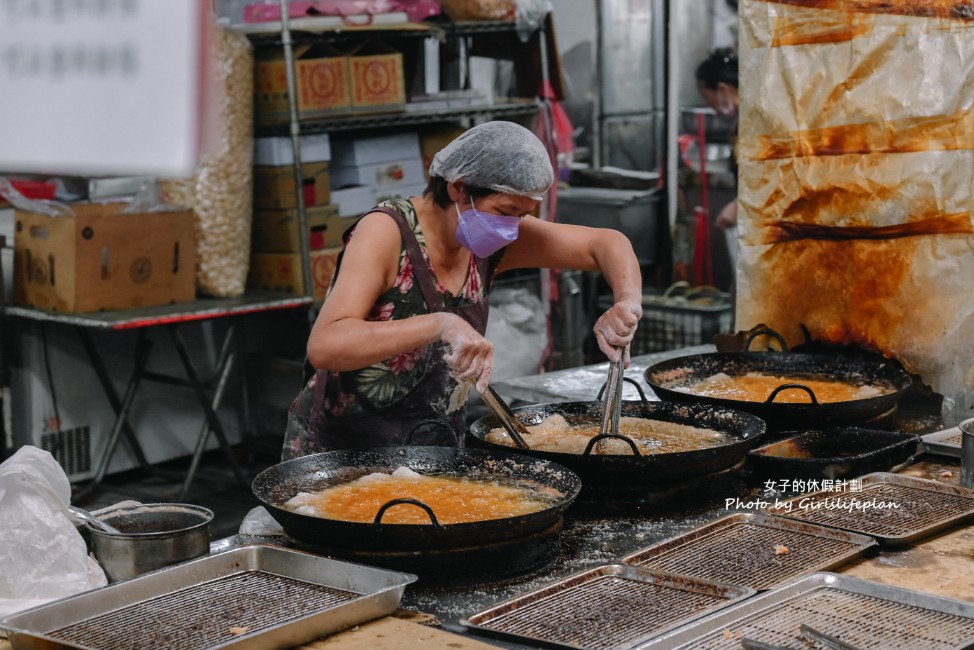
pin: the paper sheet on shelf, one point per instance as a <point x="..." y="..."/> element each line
<point x="856" y="149"/>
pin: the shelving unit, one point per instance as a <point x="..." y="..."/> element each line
<point x="433" y="28"/>
<point x="408" y="118"/>
<point x="281" y="35"/>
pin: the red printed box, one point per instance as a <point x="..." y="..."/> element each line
<point x="323" y="86"/>
<point x="376" y="78"/>
<point x="274" y="186"/>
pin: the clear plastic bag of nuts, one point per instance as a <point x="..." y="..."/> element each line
<point x="220" y="191"/>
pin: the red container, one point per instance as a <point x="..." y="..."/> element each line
<point x="32" y="189"/>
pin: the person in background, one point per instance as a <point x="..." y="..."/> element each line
<point x="400" y="336"/>
<point x="717" y="82"/>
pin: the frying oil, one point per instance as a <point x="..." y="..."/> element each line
<point x="452" y="499"/>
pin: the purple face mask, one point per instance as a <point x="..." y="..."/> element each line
<point x="483" y="233"/>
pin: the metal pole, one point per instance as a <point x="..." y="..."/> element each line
<point x="295" y="130"/>
<point x="597" y="95"/>
<point x="548" y="127"/>
<point x="672" y="116"/>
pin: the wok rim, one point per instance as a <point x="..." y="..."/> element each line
<point x="408" y="536"/>
<point x="750" y="432"/>
<point x="888" y="372"/>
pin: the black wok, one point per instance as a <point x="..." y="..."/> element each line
<point x="631" y="469"/>
<point x="839" y="453"/>
<point x="667" y="377"/>
<point x="276" y="485"/>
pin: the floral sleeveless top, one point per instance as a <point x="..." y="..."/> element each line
<point x="350" y="394"/>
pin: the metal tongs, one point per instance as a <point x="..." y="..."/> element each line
<point x="612" y="403"/>
<point x="87" y="517"/>
<point x="499" y="407"/>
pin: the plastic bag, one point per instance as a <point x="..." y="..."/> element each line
<point x="42" y="555"/>
<point x="271" y="10"/>
<point x="41" y="206"/>
<point x="516" y="327"/>
<point x="148" y="199"/>
<point x="530" y="15"/>
<point x="221" y="190"/>
<point x="260" y="522"/>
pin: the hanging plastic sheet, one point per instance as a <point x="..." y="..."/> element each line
<point x="856" y="151"/>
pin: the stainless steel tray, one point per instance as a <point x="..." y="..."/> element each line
<point x="609" y="607"/>
<point x="253" y="597"/>
<point x="944" y="443"/>
<point x="753" y="550"/>
<point x="862" y="613"/>
<point x="923" y="507"/>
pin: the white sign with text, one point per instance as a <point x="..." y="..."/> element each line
<point x="100" y="87"/>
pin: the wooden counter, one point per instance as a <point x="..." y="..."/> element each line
<point x="391" y="633"/>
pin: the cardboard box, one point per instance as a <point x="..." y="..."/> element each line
<point x="376" y="77"/>
<point x="322" y="79"/>
<point x="279" y="151"/>
<point x="282" y="272"/>
<point x="380" y="175"/>
<point x="355" y="152"/>
<point x="398" y="192"/>
<point x="354" y="200"/>
<point x="276" y="231"/>
<point x="434" y="139"/>
<point x="274" y="186"/>
<point x="100" y="259"/>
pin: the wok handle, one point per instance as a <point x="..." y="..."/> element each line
<point x="639" y="389"/>
<point x="782" y="387"/>
<point x="764" y="331"/>
<point x="605" y="436"/>
<point x="628" y="380"/>
<point x="414" y="502"/>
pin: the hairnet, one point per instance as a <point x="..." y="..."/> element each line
<point x="500" y="156"/>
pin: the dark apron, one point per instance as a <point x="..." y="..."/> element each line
<point x="414" y="419"/>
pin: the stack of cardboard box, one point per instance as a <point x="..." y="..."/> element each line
<point x="275" y="261"/>
<point x="342" y="178"/>
<point x="367" y="170"/>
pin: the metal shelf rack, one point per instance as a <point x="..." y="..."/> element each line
<point x="408" y="118"/>
<point x="287" y="38"/>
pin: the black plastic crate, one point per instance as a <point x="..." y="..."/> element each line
<point x="681" y="316"/>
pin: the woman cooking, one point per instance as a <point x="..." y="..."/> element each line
<point x="400" y="336"/>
